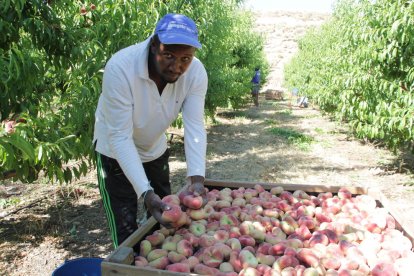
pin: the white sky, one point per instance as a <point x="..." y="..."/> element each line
<point x="324" y="6"/>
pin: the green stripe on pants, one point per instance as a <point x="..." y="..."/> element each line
<point x="106" y="200"/>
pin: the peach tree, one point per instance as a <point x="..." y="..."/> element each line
<point x="52" y="56"/>
<point x="359" y="67"/>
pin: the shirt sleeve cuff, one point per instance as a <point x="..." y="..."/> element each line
<point x="144" y="190"/>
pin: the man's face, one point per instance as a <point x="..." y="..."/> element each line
<point x="171" y="61"/>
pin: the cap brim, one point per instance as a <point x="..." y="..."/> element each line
<point x="176" y="38"/>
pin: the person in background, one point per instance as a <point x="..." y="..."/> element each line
<point x="256" y="86"/>
<point x="145" y="86"/>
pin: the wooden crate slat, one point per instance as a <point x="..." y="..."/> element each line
<point x="402" y="222"/>
<point x="122" y="255"/>
<point x="114" y="269"/>
<point x="288" y="187"/>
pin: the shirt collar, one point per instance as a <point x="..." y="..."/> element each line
<point x="142" y="58"/>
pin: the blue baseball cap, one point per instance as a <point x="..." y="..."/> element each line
<point x="177" y="29"/>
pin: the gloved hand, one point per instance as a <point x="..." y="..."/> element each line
<point x="156" y="206"/>
<point x="197" y="187"/>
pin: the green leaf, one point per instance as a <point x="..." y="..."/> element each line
<point x="20" y="143"/>
<point x="84" y="168"/>
<point x="395" y="26"/>
<point x="67" y="175"/>
<point x="76" y="172"/>
<point x="8" y="155"/>
<point x="40" y="152"/>
<point x="63" y="139"/>
<point x="402" y="124"/>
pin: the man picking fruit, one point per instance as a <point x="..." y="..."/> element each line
<point x="144" y="88"/>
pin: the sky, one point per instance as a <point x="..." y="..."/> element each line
<point x="324" y="6"/>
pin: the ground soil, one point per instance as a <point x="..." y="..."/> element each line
<point x="47" y="224"/>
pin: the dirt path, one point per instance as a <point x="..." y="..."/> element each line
<point x="250" y="145"/>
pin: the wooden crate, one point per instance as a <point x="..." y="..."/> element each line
<point x="120" y="261"/>
<point x="271" y="94"/>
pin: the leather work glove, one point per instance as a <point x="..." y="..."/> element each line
<point x="155" y="206"/>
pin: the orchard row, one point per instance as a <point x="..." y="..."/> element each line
<point x="359" y="68"/>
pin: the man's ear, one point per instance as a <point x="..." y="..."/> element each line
<point x="153" y="46"/>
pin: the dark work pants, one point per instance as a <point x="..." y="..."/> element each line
<point x="255" y="93"/>
<point x="255" y="97"/>
<point x="119" y="197"/>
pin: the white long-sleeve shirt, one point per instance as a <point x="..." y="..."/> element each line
<point x="132" y="117"/>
